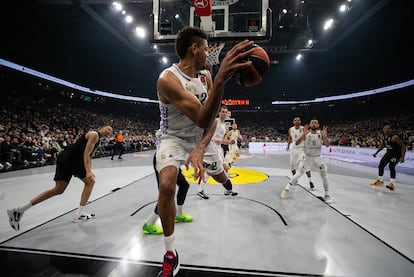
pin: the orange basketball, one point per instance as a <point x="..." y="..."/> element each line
<point x="253" y="75"/>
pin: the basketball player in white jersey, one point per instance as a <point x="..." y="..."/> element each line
<point x="296" y="154"/>
<point x="189" y="102"/>
<point x="217" y="140"/>
<point x="313" y="139"/>
<point x="234" y="136"/>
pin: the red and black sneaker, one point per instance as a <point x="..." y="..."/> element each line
<point x="171" y="265"/>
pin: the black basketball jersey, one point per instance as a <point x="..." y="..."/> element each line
<point x="72" y="156"/>
<point x="392" y="147"/>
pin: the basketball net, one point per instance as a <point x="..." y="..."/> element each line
<point x="214" y="53"/>
<point x="213" y="58"/>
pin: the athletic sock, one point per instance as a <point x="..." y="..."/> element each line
<point x="152" y="219"/>
<point x="179" y="209"/>
<point x="169" y="241"/>
<point x="80" y="210"/>
<point x="201" y="186"/>
<point x="25" y="207"/>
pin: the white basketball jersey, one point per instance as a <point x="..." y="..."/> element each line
<point x="235" y="134"/>
<point x="313" y="144"/>
<point x="175" y="123"/>
<point x="295" y="134"/>
<point x="220" y="131"/>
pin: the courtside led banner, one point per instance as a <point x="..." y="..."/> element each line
<point x="358" y="154"/>
<point x="235" y="102"/>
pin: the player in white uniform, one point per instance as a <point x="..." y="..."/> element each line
<point x="296" y="154"/>
<point x="217" y="140"/>
<point x="185" y="113"/>
<point x="313" y="140"/>
<point x="234" y="136"/>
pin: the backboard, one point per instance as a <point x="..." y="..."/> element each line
<point x="232" y="20"/>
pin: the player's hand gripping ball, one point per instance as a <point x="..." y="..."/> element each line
<point x="253" y="75"/>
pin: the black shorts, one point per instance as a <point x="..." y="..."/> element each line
<point x="64" y="173"/>
<point x="391" y="157"/>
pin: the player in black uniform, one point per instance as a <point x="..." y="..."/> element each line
<point x="75" y="161"/>
<point x="395" y="154"/>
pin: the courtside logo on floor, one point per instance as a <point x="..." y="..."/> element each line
<point x="238" y="176"/>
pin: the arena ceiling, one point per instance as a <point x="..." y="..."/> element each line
<point x="85" y="42"/>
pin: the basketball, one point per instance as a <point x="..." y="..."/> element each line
<point x="253" y="75"/>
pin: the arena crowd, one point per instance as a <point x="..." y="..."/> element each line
<point x="37" y="122"/>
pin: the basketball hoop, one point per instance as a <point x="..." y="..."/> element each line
<point x="214" y="53"/>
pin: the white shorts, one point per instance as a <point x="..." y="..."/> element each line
<point x="219" y="151"/>
<point x="213" y="161"/>
<point x="296" y="155"/>
<point x="314" y="161"/>
<point x="174" y="151"/>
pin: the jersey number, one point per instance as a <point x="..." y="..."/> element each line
<point x="202" y="97"/>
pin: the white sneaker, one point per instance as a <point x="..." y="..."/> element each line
<point x="230" y="192"/>
<point x="284" y="193"/>
<point x="1" y="166"/>
<point x="84" y="216"/>
<point x="203" y="195"/>
<point x="327" y="199"/>
<point x="7" y="165"/>
<point x="14" y="218"/>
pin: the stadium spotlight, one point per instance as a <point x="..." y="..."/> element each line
<point x="140" y="32"/>
<point x="328" y="24"/>
<point x="129" y="19"/>
<point x="117" y="6"/>
<point x="164" y="60"/>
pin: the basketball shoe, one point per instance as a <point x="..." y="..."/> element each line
<point x="202" y="194"/>
<point x="153" y="229"/>
<point x="84" y="216"/>
<point x="284" y="193"/>
<point x="171" y="265"/>
<point x="390" y="186"/>
<point x="327" y="199"/>
<point x="377" y="183"/>
<point x="14" y="218"/>
<point x="183" y="217"/>
<point x="230" y="192"/>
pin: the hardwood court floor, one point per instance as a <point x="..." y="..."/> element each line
<point x="364" y="232"/>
